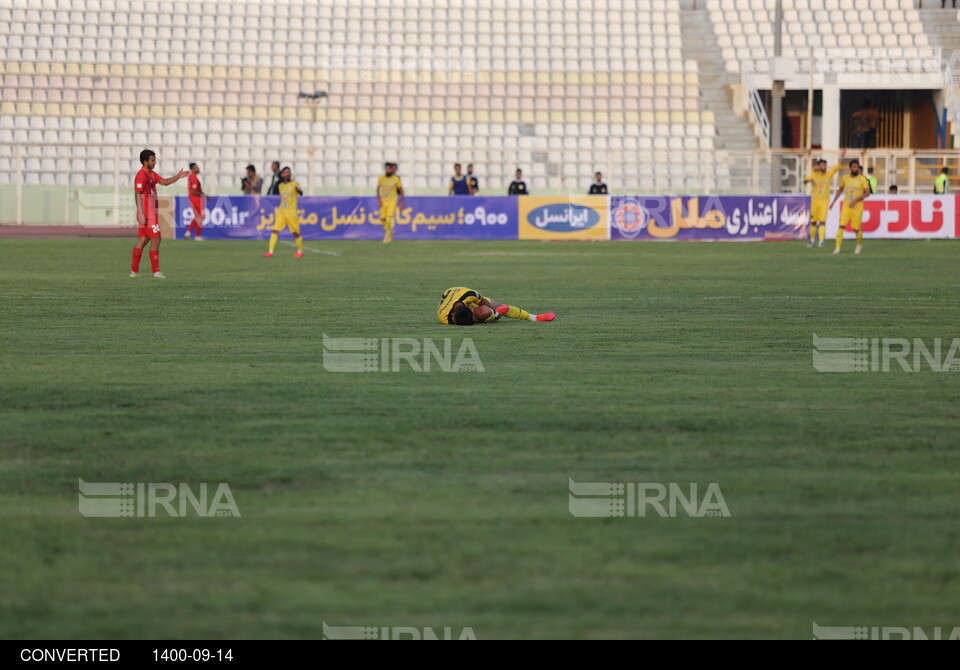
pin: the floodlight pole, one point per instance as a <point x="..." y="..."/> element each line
<point x="18" y="163"/>
<point x="313" y="100"/>
<point x="777" y="93"/>
<point x="116" y="186"/>
<point x="810" y="106"/>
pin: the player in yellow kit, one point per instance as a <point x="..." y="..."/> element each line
<point x="286" y="214"/>
<point x="389" y="192"/>
<point x="856" y="189"/>
<point x="462" y="306"/>
<point x="820" y="197"/>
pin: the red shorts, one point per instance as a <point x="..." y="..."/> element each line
<point x="197" y="205"/>
<point x="151" y="230"/>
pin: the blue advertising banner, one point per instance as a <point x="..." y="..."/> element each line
<point x="774" y="217"/>
<point x="357" y="218"/>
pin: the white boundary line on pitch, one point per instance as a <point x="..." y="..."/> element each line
<point x="306" y="248"/>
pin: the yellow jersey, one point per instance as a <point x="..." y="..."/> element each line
<point x="467" y="296"/>
<point x="389" y="187"/>
<point x="853" y="188"/>
<point x="821" y="183"/>
<point x="288" y="195"/>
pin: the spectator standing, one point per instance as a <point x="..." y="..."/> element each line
<point x="459" y="185"/>
<point x="518" y="186"/>
<point x="872" y="179"/>
<point x="865" y="124"/>
<point x="474" y="184"/>
<point x="942" y="185"/>
<point x="598" y="187"/>
<point x="252" y="184"/>
<point x="275" y="179"/>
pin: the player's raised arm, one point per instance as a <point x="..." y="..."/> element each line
<point x="173" y="180"/>
<point x="836" y="168"/>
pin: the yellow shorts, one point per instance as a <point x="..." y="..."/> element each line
<point x="388" y="210"/>
<point x="818" y="212"/>
<point x="286" y="220"/>
<point x="850" y="219"/>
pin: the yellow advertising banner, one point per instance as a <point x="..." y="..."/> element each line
<point x="564" y="218"/>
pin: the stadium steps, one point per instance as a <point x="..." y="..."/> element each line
<point x="942" y="27"/>
<point x="733" y="129"/>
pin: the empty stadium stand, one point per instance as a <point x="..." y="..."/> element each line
<point x="552" y="89"/>
<point x="744" y="30"/>
<point x="644" y="90"/>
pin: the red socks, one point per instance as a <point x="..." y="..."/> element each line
<point x="197" y="226"/>
<point x="154" y="260"/>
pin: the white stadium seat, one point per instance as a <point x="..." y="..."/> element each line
<point x="524" y="80"/>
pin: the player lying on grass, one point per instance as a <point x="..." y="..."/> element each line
<point x="462" y="306"/>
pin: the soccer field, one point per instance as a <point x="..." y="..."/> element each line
<point x="434" y="499"/>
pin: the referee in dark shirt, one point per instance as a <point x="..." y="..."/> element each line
<point x="598" y="187"/>
<point x="518" y="186"/>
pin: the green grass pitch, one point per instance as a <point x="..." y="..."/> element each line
<point x="440" y="499"/>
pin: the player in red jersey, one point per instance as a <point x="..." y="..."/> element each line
<point x="148" y="222"/>
<point x="197" y="201"/>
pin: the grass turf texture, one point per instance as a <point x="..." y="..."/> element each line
<point x="412" y="499"/>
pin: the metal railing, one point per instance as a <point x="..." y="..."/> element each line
<point x="952" y="98"/>
<point x="758" y="111"/>
<point x="31" y="195"/>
